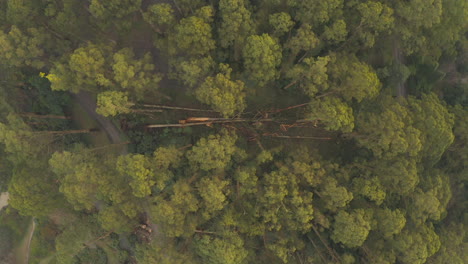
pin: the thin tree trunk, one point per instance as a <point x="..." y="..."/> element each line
<point x="177" y="108"/>
<point x="157" y="30"/>
<point x="33" y="115"/>
<point x="298" y="137"/>
<point x="204" y="232"/>
<point x="212" y="121"/>
<point x="288" y="108"/>
<point x="315" y="246"/>
<point x="290" y="84"/>
<point x="66" y="132"/>
<point x="325" y="94"/>
<point x="146" y="110"/>
<point x="331" y="252"/>
<point x="111" y="145"/>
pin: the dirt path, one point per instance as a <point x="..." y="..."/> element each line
<point x="88" y="103"/>
<point x="22" y="251"/>
<point x="401" y="90"/>
<point x="4" y="199"/>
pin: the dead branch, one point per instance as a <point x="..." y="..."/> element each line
<point x="177" y="108"/>
<point x="184" y="123"/>
<point x="33" y="115"/>
<point x="296" y="137"/>
<point x="204" y="232"/>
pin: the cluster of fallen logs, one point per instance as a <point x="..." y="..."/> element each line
<point x="208" y="121"/>
<point x="197" y="121"/>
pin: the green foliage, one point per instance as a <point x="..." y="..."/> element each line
<point x="224" y="95"/>
<point x="333" y="195"/>
<point x="83" y="178"/>
<point x="176" y="216"/>
<point x="137" y="168"/>
<point x="32" y="193"/>
<point x="282" y="195"/>
<point x="162" y="251"/>
<point x="385" y="185"/>
<point x="75" y="238"/>
<point x="17" y="137"/>
<point x="415" y="17"/>
<point x="351" y="229"/>
<point x="389" y="133"/>
<point x="281" y="23"/>
<point x="213" y="152"/>
<point x="375" y="17"/>
<point x="213" y="193"/>
<point x="19" y="12"/>
<point x="23" y="47"/>
<point x="353" y="79"/>
<point x="135" y="75"/>
<point x="97" y="256"/>
<point x="333" y="113"/>
<point x="236" y="23"/>
<point x="372" y="189"/>
<point x="315" y="11"/>
<point x="336" y="33"/>
<point x="86" y="68"/>
<point x="453" y="247"/>
<point x="112" y="103"/>
<point x="159" y="15"/>
<point x="416" y="245"/>
<point x="310" y="75"/>
<point x="113" y="219"/>
<point x="262" y="56"/>
<point x="192" y="36"/>
<point x="88" y="64"/>
<point x="390" y="222"/>
<point x="304" y="40"/>
<point x="432" y="118"/>
<point x="113" y="10"/>
<point x="192" y="72"/>
<point x="165" y="159"/>
<point x="229" y="250"/>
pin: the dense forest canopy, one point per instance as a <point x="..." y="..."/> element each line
<point x="235" y="131"/>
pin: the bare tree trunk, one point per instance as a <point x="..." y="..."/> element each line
<point x="145" y="110"/>
<point x="331" y="251"/>
<point x="288" y="108"/>
<point x="33" y="115"/>
<point x="298" y="137"/>
<point x="111" y="145"/>
<point x="209" y="121"/>
<point x="66" y="132"/>
<point x="325" y="94"/>
<point x="290" y="84"/>
<point x="177" y="108"/>
<point x="204" y="232"/>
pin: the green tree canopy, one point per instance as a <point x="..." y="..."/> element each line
<point x="236" y="24"/>
<point x="112" y="103"/>
<point x="262" y="56"/>
<point x="223" y="94"/>
<point x="333" y="113"/>
<point x="229" y="250"/>
<point x="351" y="229"/>
<point x="135" y="75"/>
<point x="213" y="152"/>
<point x="23" y="47"/>
<point x="193" y="36"/>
